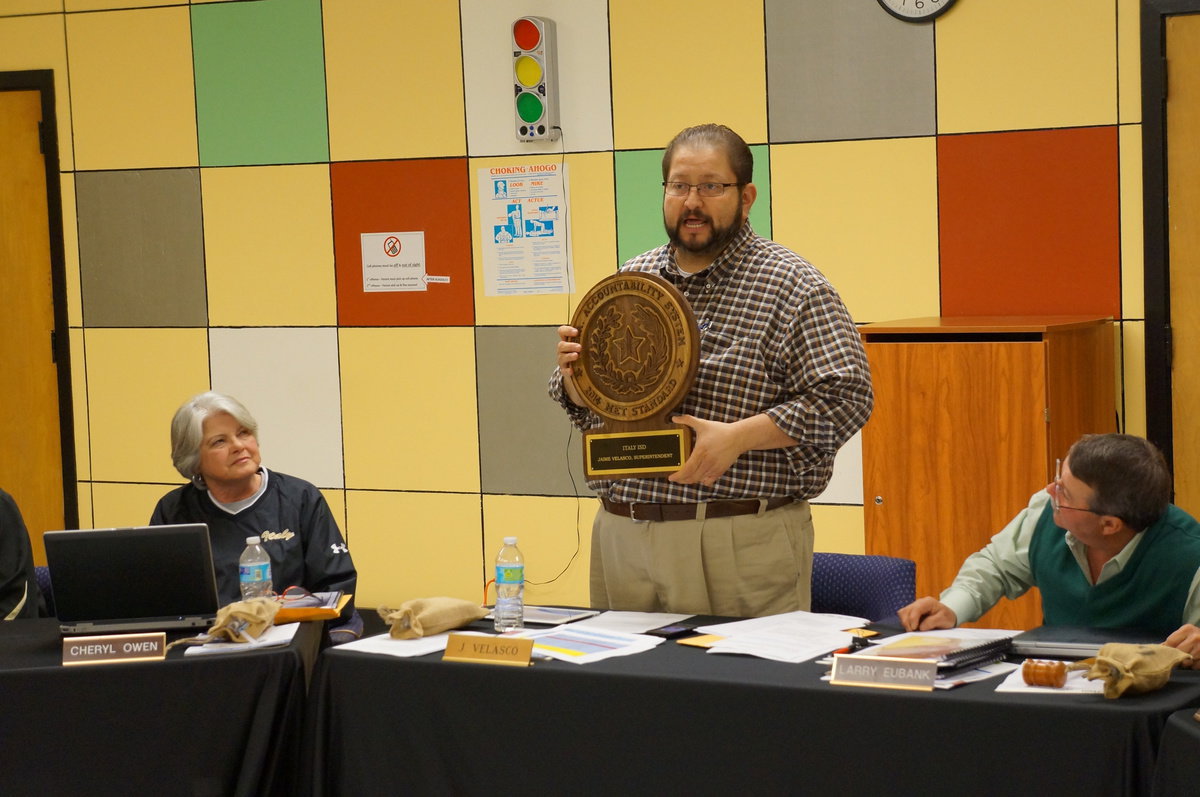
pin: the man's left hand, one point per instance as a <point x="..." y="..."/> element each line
<point x="1187" y="639"/>
<point x="717" y="446"/>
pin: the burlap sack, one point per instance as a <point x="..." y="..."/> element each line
<point x="424" y="616"/>
<point x="1132" y="668"/>
<point x="244" y="621"/>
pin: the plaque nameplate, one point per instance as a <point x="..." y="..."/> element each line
<point x="112" y="648"/>
<point x="887" y="672"/>
<point x="636" y="452"/>
<point x="512" y="651"/>
<point x="639" y="355"/>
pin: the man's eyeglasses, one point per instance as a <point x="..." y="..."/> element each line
<point x="1058" y="488"/>
<point x="675" y="188"/>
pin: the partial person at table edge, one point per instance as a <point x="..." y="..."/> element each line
<point x="783" y="382"/>
<point x="1102" y="543"/>
<point x="20" y="597"/>
<point x="214" y="445"/>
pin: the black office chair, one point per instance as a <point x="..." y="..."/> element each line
<point x="862" y="585"/>
<point x="43" y="580"/>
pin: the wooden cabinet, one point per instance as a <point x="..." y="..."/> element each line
<point x="970" y="415"/>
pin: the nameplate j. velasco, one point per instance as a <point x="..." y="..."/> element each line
<point x="478" y="649"/>
<point x="113" y="648"/>
<point x="887" y="672"/>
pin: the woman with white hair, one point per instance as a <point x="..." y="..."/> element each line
<point x="214" y="445"/>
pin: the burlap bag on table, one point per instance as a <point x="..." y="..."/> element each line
<point x="1131" y="668"/>
<point x="243" y="621"/>
<point x="424" y="616"/>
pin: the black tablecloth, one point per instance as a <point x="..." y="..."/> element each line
<point x="677" y="719"/>
<point x="1177" y="772"/>
<point x="196" y="725"/>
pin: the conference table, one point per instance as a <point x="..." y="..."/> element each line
<point x="228" y="724"/>
<point x="1177" y="772"/>
<point x="677" y="719"/>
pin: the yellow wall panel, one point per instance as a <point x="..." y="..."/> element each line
<point x="136" y="379"/>
<point x="838" y="529"/>
<point x="79" y="398"/>
<point x="414" y="545"/>
<point x="84" y="492"/>
<point x="132" y="88"/>
<point x="106" y="5"/>
<point x="268" y="246"/>
<point x="409" y="412"/>
<point x="592" y="238"/>
<point x="378" y="92"/>
<point x="71" y="250"/>
<point x="117" y="505"/>
<point x="38" y="42"/>
<point x="14" y="7"/>
<point x="676" y="64"/>
<point x="865" y="214"/>
<point x="1133" y="350"/>
<point x="1129" y="60"/>
<point x="337" y="505"/>
<point x="555" y="536"/>
<point x="1021" y="64"/>
<point x="1133" y="292"/>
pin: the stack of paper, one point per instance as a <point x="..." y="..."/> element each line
<point x="791" y="637"/>
<point x="584" y="645"/>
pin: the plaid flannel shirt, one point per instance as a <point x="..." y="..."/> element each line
<point x="775" y="338"/>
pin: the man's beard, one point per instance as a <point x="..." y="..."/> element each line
<point x="718" y="240"/>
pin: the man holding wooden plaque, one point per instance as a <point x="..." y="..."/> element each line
<point x="749" y="350"/>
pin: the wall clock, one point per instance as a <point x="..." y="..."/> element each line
<point x="915" y="10"/>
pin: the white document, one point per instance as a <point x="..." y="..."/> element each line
<point x="1076" y="684"/>
<point x="791" y="637"/>
<point x="800" y="621"/>
<point x="583" y="646"/>
<point x="275" y="636"/>
<point x="385" y="645"/>
<point x="550" y="615"/>
<point x="780" y="643"/>
<point x="631" y="622"/>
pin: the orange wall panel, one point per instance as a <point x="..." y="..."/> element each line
<point x="1029" y="222"/>
<point x="430" y="196"/>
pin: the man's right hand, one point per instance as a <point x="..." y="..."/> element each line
<point x="568" y="348"/>
<point x="567" y="352"/>
<point x="926" y="614"/>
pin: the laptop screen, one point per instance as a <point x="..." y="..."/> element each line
<point x="141" y="578"/>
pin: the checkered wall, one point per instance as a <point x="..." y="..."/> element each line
<point x="221" y="159"/>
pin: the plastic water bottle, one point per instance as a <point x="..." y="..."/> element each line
<point x="510" y="587"/>
<point x="254" y="570"/>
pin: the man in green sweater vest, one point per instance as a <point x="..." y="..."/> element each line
<point x="1102" y="542"/>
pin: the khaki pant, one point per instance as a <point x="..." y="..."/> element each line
<point x="743" y="566"/>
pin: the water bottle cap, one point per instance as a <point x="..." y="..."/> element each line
<point x="510" y="540"/>
<point x="253" y="540"/>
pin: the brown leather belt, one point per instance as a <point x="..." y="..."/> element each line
<point x="661" y="512"/>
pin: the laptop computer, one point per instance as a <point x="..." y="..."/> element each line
<point x="1075" y="642"/>
<point x="145" y="578"/>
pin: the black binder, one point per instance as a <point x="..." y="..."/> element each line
<point x="952" y="653"/>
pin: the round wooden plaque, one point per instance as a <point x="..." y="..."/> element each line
<point x="640" y="347"/>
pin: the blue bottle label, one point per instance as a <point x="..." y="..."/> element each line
<point x="254" y="572"/>
<point x="510" y="574"/>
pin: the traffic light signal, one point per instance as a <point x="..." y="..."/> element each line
<point x="535" y="79"/>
